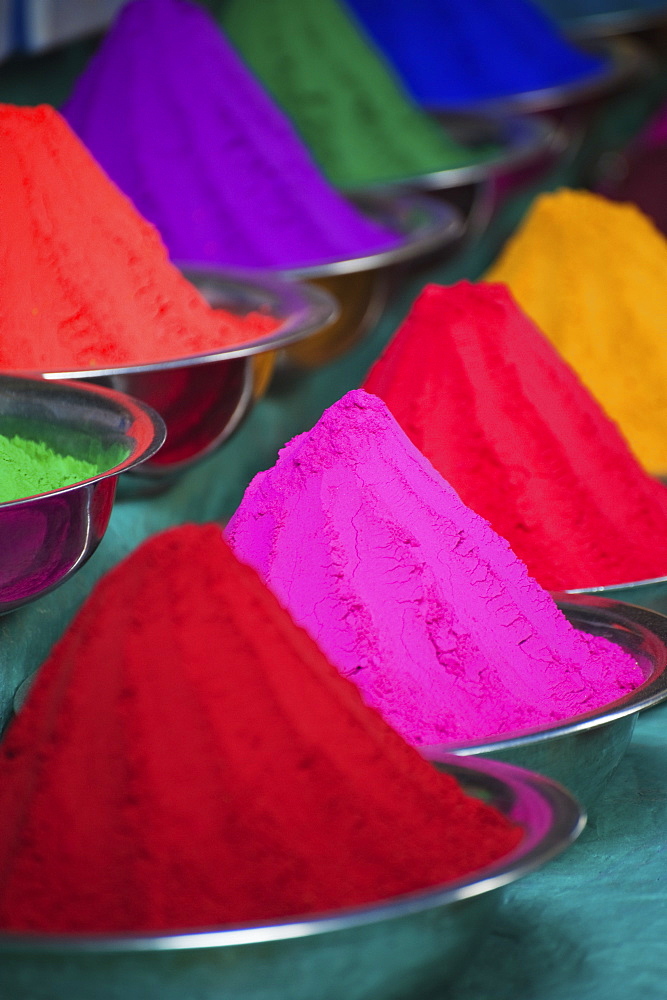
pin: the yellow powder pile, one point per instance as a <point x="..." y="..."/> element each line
<point x="593" y="276"/>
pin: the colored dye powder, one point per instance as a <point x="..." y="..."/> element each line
<point x="346" y="101"/>
<point x="187" y="132"/>
<point x="218" y="769"/>
<point x="30" y="467"/>
<point x="593" y="275"/>
<point x="409" y="593"/>
<point x="487" y="399"/>
<point x="451" y="53"/>
<point x="86" y="282"/>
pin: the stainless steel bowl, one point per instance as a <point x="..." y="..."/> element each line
<point x="583" y="752"/>
<point x="203" y="398"/>
<point x="624" y="60"/>
<point x="651" y="594"/>
<point x="399" y="949"/>
<point x="45" y="539"/>
<point x="620" y="19"/>
<point x="361" y="284"/>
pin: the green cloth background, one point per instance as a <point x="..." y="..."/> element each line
<point x="593" y="924"/>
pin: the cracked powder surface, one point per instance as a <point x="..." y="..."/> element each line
<point x="410" y="593"/>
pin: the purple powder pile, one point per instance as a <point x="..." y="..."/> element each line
<point x="411" y="594"/>
<point x="180" y="124"/>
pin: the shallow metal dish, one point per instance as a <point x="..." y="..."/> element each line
<point x="202" y="398"/>
<point x="361" y="284"/>
<point x="45" y="539"/>
<point x="624" y="61"/>
<point x="397" y="950"/>
<point x="619" y="20"/>
<point x="582" y="752"/>
<point x="650" y="594"/>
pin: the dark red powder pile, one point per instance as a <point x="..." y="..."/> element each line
<point x="188" y="758"/>
<point x="86" y="281"/>
<point x="481" y="392"/>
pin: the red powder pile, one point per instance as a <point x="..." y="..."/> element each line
<point x="188" y="758"/>
<point x="482" y="393"/>
<point x="86" y="281"/>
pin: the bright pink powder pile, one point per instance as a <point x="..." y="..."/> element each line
<point x="411" y="594"/>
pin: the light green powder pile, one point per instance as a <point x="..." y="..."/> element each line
<point x="31" y="467"/>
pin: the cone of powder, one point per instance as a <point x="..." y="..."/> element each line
<point x="345" y="99"/>
<point x="187" y="132"/>
<point x="593" y="275"/>
<point x="218" y="767"/>
<point x="483" y="394"/>
<point x="86" y="282"/>
<point x="453" y="53"/>
<point x="411" y="594"/>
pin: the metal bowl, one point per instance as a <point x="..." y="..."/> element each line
<point x="620" y="19"/>
<point x="403" y="947"/>
<point x="202" y="398"/>
<point x="624" y="60"/>
<point x="361" y="284"/>
<point x="582" y="752"/>
<point x="651" y="594"/>
<point x="45" y="539"/>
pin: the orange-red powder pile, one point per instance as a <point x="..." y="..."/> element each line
<point x="188" y="758"/>
<point x="86" y="281"/>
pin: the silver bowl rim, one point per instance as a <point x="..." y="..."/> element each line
<point x="611" y="588"/>
<point x="136" y="409"/>
<point x="512" y="789"/>
<point x="396" y="207"/>
<point x="521" y="138"/>
<point x="625" y="59"/>
<point x="651" y="692"/>
<point x="308" y="309"/>
<point x="584" y="27"/>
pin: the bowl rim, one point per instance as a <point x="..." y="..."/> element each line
<point x="620" y="615"/>
<point x="584" y="27"/>
<point x="624" y="59"/>
<point x="142" y="423"/>
<point x="521" y="138"/>
<point x="552" y="819"/>
<point x="612" y="587"/>
<point x="424" y="222"/>
<point x="307" y="309"/>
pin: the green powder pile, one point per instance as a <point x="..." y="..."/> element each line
<point x="344" y="99"/>
<point x="28" y="468"/>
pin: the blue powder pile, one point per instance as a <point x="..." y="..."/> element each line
<point x="457" y="52"/>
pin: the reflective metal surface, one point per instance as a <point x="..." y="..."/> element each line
<point x="519" y="140"/>
<point x="44" y="539"/>
<point x="398" y="950"/>
<point x="650" y="594"/>
<point x="616" y="21"/>
<point x="624" y="61"/>
<point x="203" y="398"/>
<point x="583" y="752"/>
<point x="361" y="284"/>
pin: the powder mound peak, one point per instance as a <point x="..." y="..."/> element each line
<point x="218" y="768"/>
<point x="186" y="131"/>
<point x="344" y="98"/>
<point x="592" y="274"/>
<point x="409" y="592"/>
<point x="452" y="53"/>
<point x="489" y="401"/>
<point x="86" y="281"/>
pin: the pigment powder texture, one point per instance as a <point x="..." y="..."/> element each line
<point x="218" y="767"/>
<point x="484" y="395"/>
<point x="453" y="53"/>
<point x="346" y="101"/>
<point x="29" y="467"/>
<point x="593" y="275"/>
<point x="187" y="132"/>
<point x="409" y="593"/>
<point x="86" y="282"/>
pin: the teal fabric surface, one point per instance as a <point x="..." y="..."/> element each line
<point x="592" y="924"/>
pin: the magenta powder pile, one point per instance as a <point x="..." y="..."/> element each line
<point x="184" y="129"/>
<point x="410" y="593"/>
